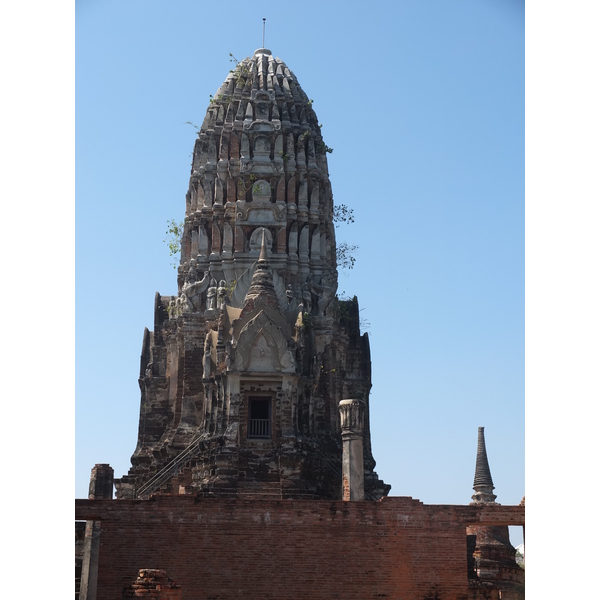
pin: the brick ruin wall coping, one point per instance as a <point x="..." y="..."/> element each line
<point x="159" y="507"/>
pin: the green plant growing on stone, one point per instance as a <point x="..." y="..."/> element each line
<point x="241" y="71"/>
<point x="194" y="126"/>
<point x="229" y="288"/>
<point x="243" y="188"/>
<point x="304" y="137"/>
<point x="320" y="146"/>
<point x="174" y="235"/>
<point x="328" y="371"/>
<point x="323" y="148"/>
<point x="342" y="309"/>
<point x="363" y="323"/>
<point x="343" y="214"/>
<point x="256" y="188"/>
<point x="306" y="322"/>
<point x="344" y="255"/>
<point x="173" y="310"/>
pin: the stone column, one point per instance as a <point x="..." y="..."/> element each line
<point x="352" y="415"/>
<point x="101" y="488"/>
<point x="101" y="482"/>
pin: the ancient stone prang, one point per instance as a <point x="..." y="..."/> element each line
<point x="242" y="374"/>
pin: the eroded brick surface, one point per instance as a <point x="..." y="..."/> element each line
<point x="153" y="584"/>
<point x="288" y="549"/>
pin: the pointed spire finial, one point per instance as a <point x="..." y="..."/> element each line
<point x="262" y="279"/>
<point x="264" y="22"/>
<point x="263" y="248"/>
<point x="482" y="484"/>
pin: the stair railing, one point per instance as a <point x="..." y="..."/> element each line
<point x="169" y="470"/>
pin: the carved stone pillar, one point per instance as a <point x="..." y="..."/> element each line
<point x="352" y="415"/>
<point x="101" y="488"/>
<point x="89" y="564"/>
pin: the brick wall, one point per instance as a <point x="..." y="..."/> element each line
<point x="227" y="548"/>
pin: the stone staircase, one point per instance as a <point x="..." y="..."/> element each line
<point x="169" y="471"/>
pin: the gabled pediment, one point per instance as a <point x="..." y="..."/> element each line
<point x="262" y="346"/>
<point x="272" y="313"/>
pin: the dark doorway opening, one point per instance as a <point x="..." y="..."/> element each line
<point x="259" y="422"/>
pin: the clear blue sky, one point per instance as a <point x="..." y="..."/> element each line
<point x="423" y="104"/>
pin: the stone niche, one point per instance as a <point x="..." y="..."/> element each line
<point x="256" y="239"/>
<point x="262" y="149"/>
<point x="262" y="100"/>
<point x="261" y="210"/>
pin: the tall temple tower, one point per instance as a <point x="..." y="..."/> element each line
<point x="242" y="376"/>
